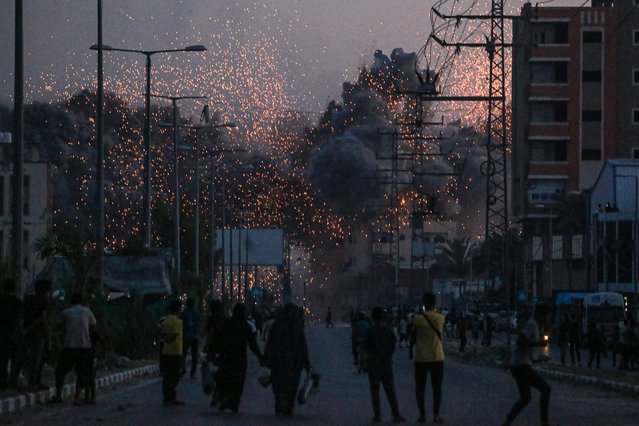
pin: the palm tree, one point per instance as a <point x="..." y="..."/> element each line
<point x="455" y="256"/>
<point x="76" y="249"/>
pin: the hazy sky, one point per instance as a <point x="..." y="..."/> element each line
<point x="320" y="42"/>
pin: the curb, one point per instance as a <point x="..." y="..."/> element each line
<point x="30" y="399"/>
<point x="590" y="380"/>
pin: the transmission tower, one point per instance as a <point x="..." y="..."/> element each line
<point x="495" y="166"/>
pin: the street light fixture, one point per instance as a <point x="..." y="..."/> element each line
<point x="635" y="258"/>
<point x="147" y="124"/>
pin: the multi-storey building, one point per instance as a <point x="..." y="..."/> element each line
<point x="575" y="101"/>
<point x="36" y="208"/>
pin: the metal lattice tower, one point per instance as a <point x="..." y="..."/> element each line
<point x="495" y="167"/>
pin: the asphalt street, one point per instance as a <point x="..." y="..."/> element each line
<point x="473" y="395"/>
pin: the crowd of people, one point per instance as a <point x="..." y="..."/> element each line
<point x="376" y="338"/>
<point x="229" y="333"/>
<point x="26" y="336"/>
<point x="425" y="329"/>
<point x="227" y="341"/>
<point x="621" y="342"/>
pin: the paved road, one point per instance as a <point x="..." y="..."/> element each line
<point x="472" y="396"/>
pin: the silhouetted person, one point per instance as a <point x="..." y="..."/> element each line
<point x="191" y="323"/>
<point x="521" y="365"/>
<point x="427" y="330"/>
<point x="329" y="318"/>
<point x="236" y="335"/>
<point x="574" y="339"/>
<point x="562" y="339"/>
<point x="10" y="317"/>
<point x="286" y="354"/>
<point x="462" y="328"/>
<point x="77" y="321"/>
<point x="35" y="335"/>
<point x="171" y="357"/>
<point x="214" y="324"/>
<point x="380" y="345"/>
<point x="596" y="343"/>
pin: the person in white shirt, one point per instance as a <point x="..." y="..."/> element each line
<point x="77" y="321"/>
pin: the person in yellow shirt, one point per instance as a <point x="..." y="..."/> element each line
<point x="171" y="353"/>
<point x="426" y="333"/>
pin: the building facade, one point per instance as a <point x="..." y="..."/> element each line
<point x="36" y="209"/>
<point x="575" y="101"/>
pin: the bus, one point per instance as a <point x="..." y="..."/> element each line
<point x="605" y="308"/>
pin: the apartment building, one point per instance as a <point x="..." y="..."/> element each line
<point x="36" y="208"/>
<point x="575" y="101"/>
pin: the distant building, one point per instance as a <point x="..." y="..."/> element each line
<point x="614" y="208"/>
<point x="575" y="101"/>
<point x="36" y="209"/>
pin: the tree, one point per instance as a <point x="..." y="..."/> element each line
<point x="75" y="248"/>
<point x="456" y="255"/>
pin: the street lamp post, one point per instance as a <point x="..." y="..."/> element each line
<point x="99" y="128"/>
<point x="147" y="125"/>
<point x="176" y="182"/>
<point x="17" y="220"/>
<point x="550" y="247"/>
<point x="635" y="257"/>
<point x="198" y="128"/>
<point x="213" y="218"/>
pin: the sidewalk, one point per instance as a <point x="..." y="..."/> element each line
<point x="17" y="402"/>
<point x="606" y="376"/>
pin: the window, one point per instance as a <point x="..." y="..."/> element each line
<point x="550" y="33"/>
<point x="591" y="154"/>
<point x="1" y="195"/>
<point x="591" y="115"/>
<point x="635" y="153"/>
<point x="635" y="37"/>
<point x="549" y="150"/>
<point x="592" y="37"/>
<point x="549" y="72"/>
<point x="635" y="76"/>
<point x="549" y="112"/>
<point x="635" y="116"/>
<point x="591" y="76"/>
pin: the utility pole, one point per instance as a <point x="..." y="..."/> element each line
<point x="18" y="147"/>
<point x="495" y="166"/>
<point x="99" y="128"/>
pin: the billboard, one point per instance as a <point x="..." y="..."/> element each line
<point x="251" y="247"/>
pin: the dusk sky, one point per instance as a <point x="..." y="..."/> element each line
<point x="311" y="46"/>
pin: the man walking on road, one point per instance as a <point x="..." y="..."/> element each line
<point x="329" y="318"/>
<point x="380" y="345"/>
<point x="191" y="321"/>
<point x="426" y="332"/>
<point x="77" y="321"/>
<point x="171" y="353"/>
<point x="286" y="354"/>
<point x="521" y="365"/>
